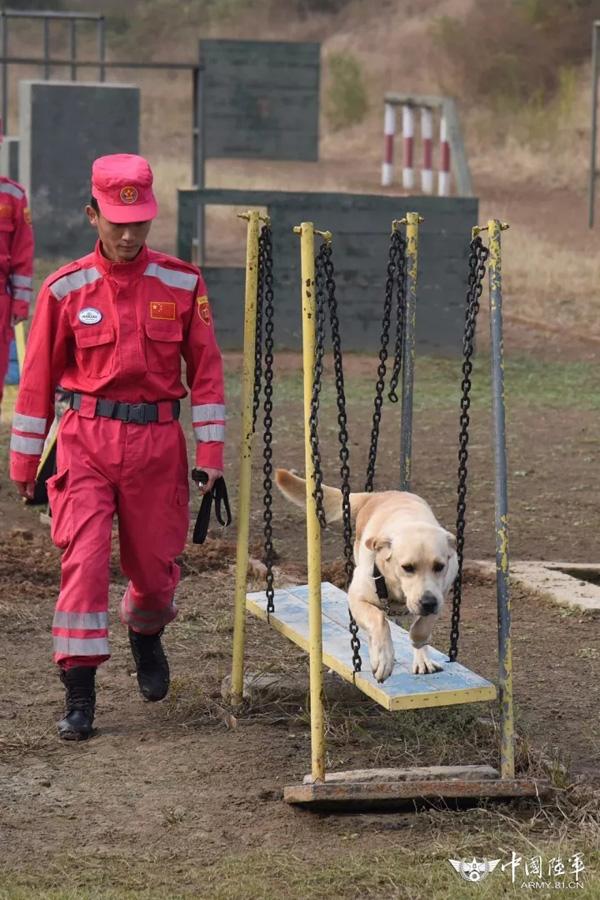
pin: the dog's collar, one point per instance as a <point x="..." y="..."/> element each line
<point x="380" y="585"/>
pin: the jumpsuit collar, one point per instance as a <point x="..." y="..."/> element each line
<point x="121" y="270"/>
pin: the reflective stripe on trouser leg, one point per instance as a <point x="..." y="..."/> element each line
<point x="153" y="508"/>
<point x="83" y="503"/>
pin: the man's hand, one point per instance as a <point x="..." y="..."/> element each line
<point x="213" y="474"/>
<point x="25" y="489"/>
<point x="16" y="318"/>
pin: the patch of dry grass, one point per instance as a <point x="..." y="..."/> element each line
<point x="551" y="282"/>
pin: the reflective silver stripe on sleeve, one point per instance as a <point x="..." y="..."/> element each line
<point x="31" y="446"/>
<point x="29" y="423"/>
<point x="21" y="294"/>
<point x="206" y="412"/>
<point x="172" y="277"/>
<point x="21" y="281"/>
<point x="210" y="432"/>
<point x="74" y="282"/>
<point x="95" y="620"/>
<point x="12" y="189"/>
<point x="81" y="646"/>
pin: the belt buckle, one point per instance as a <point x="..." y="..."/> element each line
<point x="136" y="413"/>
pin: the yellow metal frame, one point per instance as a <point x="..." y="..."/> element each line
<point x="313" y="529"/>
<point x="505" y="679"/>
<point x="246" y="441"/>
<point x="314" y="645"/>
<point x="20" y="342"/>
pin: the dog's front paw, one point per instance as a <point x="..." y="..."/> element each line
<point x="381" y="652"/>
<point x="422" y="664"/>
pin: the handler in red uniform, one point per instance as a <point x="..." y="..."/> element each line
<point x="16" y="265"/>
<point x="111" y="329"/>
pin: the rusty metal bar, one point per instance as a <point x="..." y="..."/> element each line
<point x="505" y="687"/>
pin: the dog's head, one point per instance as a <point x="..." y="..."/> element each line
<point x="419" y="563"/>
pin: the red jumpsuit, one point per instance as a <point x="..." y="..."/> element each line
<point x="16" y="264"/>
<point x="118" y="331"/>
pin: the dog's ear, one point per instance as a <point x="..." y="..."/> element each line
<point x="451" y="540"/>
<point x="377" y="544"/>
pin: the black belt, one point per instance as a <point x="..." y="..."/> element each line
<point x="135" y="413"/>
<point x="219" y="494"/>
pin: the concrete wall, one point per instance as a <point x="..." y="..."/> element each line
<point x="64" y="126"/>
<point x="9" y="158"/>
<point x="361" y="228"/>
<point x="260" y="99"/>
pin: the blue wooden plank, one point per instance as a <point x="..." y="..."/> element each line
<point x="291" y="612"/>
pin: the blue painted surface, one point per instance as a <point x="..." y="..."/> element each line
<point x="291" y="608"/>
<point x="12" y="376"/>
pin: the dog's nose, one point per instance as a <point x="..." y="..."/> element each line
<point x="429" y="604"/>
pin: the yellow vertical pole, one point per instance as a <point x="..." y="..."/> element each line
<point x="412" y="222"/>
<point x="313" y="529"/>
<point x="20" y="344"/>
<point x="245" y="482"/>
<point x="505" y="675"/>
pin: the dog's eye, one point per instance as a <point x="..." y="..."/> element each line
<point x="438" y="567"/>
<point x="409" y="568"/>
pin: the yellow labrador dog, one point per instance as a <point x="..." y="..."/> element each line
<point x="397" y="532"/>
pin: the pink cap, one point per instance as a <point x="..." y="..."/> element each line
<point x="122" y="185"/>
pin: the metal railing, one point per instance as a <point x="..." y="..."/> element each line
<point x="46" y="18"/>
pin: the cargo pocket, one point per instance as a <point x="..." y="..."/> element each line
<point x="95" y="350"/>
<point x="163" y="346"/>
<point x="61" y="528"/>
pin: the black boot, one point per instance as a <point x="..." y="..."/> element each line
<point x="80" y="702"/>
<point x="151" y="664"/>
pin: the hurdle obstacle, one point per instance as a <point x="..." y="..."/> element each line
<point x="451" y="144"/>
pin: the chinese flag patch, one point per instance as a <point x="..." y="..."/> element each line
<point x="203" y="308"/>
<point x="162" y="309"/>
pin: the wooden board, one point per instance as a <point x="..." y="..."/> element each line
<point x="372" y="794"/>
<point x="402" y="690"/>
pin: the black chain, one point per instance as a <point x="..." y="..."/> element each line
<point x="400" y="312"/>
<point x="395" y="274"/>
<point x="317" y="382"/>
<point x="258" y="340"/>
<point x="477" y="259"/>
<point x="325" y="288"/>
<point x="266" y="306"/>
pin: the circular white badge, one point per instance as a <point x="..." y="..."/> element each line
<point x="90" y="316"/>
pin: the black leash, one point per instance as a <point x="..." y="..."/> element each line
<point x="218" y="493"/>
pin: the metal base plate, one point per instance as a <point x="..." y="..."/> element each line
<point x="389" y="792"/>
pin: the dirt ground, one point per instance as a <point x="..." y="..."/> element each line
<point x="182" y="788"/>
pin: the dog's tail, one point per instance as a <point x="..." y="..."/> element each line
<point x="294" y="489"/>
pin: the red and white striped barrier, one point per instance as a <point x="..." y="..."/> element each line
<point x="389" y="130"/>
<point x="408" y="135"/>
<point x="444" y="171"/>
<point x="427" y="139"/>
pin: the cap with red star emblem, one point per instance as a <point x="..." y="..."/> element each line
<point x="122" y="185"/>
